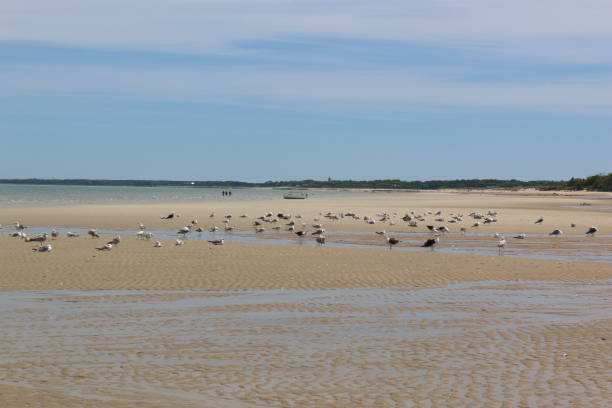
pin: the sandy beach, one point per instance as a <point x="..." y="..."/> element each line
<point x="266" y="325"/>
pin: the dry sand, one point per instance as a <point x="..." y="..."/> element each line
<point x="517" y="212"/>
<point x="455" y="351"/>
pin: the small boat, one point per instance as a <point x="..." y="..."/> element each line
<point x="295" y="195"/>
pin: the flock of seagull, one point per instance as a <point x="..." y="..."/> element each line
<point x="318" y="233"/>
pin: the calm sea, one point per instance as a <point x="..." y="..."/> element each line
<point x="36" y="195"/>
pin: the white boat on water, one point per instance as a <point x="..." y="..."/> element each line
<point x="293" y="195"/>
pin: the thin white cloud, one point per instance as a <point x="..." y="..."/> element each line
<point x="518" y="27"/>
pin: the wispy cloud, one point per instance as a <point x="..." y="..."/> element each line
<point x="545" y="54"/>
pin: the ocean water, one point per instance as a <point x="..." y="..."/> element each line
<point x="38" y="195"/>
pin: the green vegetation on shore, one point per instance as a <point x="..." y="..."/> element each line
<point x="598" y="182"/>
<point x="601" y="182"/>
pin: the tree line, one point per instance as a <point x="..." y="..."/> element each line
<point x="600" y="182"/>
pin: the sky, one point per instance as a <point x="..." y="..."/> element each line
<point x="258" y="90"/>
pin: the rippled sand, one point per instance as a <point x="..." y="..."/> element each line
<point x="485" y="344"/>
<point x="252" y="325"/>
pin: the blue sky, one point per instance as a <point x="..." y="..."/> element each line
<point x="261" y="90"/>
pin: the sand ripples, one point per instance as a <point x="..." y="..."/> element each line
<point x="493" y="344"/>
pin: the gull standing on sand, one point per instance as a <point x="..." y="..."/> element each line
<point x="43" y="248"/>
<point x="556" y="232"/>
<point x="115" y="241"/>
<point x="105" y="247"/>
<point x="93" y="233"/>
<point x="179" y="242"/>
<point x="217" y="241"/>
<point x="431" y="242"/>
<point x="591" y="232"/>
<point x="158" y="244"/>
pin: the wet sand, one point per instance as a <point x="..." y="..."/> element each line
<point x="486" y="344"/>
<point x="254" y="325"/>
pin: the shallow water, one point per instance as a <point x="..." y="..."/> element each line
<point x="536" y="246"/>
<point x="347" y="347"/>
<point x="40" y="195"/>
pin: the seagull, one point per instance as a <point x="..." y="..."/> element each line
<point x="260" y="229"/>
<point x="141" y="226"/>
<point x="301" y="233"/>
<point x="501" y="244"/>
<point x="115" y="241"/>
<point x="171" y="216"/>
<point x="591" y="232"/>
<point x="143" y="234"/>
<point x="93" y="233"/>
<point x="539" y="220"/>
<point x="217" y="241"/>
<point x="383" y="232"/>
<point x="229" y="228"/>
<point x="19" y="226"/>
<point x="158" y="244"/>
<point x="392" y="241"/>
<point x="462" y="230"/>
<point x="556" y="232"/>
<point x="43" y="248"/>
<point x="443" y="229"/>
<point x="179" y="242"/>
<point x="184" y="231"/>
<point x="54" y="234"/>
<point x="320" y="240"/>
<point x="319" y="231"/>
<point x="214" y="229"/>
<point x="40" y="238"/>
<point x="71" y="234"/>
<point x="476" y="225"/>
<point x="431" y="242"/>
<point x="105" y="247"/>
<point x="520" y="236"/>
<point x="194" y="222"/>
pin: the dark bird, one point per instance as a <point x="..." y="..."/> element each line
<point x="539" y="220"/>
<point x="320" y="240"/>
<point x="114" y="241"/>
<point x="392" y="241"/>
<point x="431" y="243"/>
<point x="40" y="238"/>
<point x="591" y="232"/>
<point x="171" y="216"/>
<point x="301" y="233"/>
<point x="556" y="232"/>
<point x="93" y="233"/>
<point x="216" y="241"/>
